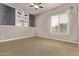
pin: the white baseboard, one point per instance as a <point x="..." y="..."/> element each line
<point x="59" y="39"/>
<point x="15" y="38"/>
<point x="36" y="36"/>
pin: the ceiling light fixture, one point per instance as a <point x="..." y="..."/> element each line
<point x="36" y="5"/>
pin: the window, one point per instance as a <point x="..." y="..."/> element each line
<point x="60" y="23"/>
<point x="22" y="23"/>
<point x="22" y="19"/>
<point x="54" y="24"/>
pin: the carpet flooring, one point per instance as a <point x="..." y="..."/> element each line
<point x="37" y="46"/>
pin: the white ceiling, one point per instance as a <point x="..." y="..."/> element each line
<point x="25" y="7"/>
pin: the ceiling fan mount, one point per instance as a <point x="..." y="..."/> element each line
<point x="36" y="5"/>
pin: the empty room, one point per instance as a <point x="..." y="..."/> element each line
<point x="39" y="29"/>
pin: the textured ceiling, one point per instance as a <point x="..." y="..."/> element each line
<point x="25" y="7"/>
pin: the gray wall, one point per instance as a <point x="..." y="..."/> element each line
<point x="12" y="32"/>
<point x="43" y="24"/>
<point x="7" y="29"/>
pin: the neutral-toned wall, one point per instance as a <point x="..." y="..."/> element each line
<point x="13" y="32"/>
<point x="43" y="24"/>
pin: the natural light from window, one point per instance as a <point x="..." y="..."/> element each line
<point x="60" y="23"/>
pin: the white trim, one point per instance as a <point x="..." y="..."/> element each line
<point x="36" y="36"/>
<point x="58" y="39"/>
<point x="16" y="38"/>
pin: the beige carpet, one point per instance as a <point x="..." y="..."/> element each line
<point x="38" y="47"/>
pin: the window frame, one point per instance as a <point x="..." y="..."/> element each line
<point x="59" y="23"/>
